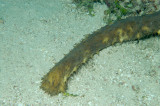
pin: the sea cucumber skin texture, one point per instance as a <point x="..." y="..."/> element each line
<point x="132" y="28"/>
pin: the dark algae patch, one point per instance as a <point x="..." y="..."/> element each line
<point x="118" y="9"/>
<point x="129" y="29"/>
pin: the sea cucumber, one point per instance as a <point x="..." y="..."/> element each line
<point x="132" y="28"/>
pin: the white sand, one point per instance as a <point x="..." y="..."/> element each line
<point x="37" y="33"/>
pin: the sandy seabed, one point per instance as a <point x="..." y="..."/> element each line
<point x="35" y="34"/>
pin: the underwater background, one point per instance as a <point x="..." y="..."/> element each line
<point x="36" y="34"/>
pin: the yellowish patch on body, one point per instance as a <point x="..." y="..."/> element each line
<point x="158" y="32"/>
<point x="130" y="28"/>
<point x="119" y="32"/>
<point x="122" y="38"/>
<point x="105" y="40"/>
<point x="145" y="28"/>
<point x="138" y="36"/>
<point x="84" y="60"/>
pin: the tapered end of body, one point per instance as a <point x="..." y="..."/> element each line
<point x="53" y="82"/>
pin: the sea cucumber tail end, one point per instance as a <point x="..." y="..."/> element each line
<point x="53" y="83"/>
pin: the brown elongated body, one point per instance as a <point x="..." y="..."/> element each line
<point x="131" y="28"/>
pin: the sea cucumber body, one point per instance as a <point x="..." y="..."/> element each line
<point x="131" y="28"/>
